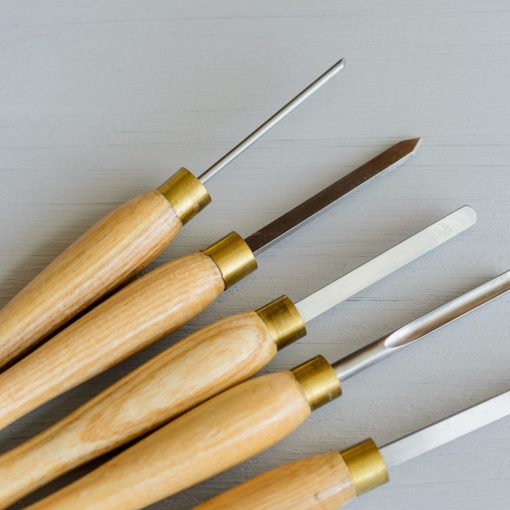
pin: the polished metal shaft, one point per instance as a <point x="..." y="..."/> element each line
<point x="272" y="121"/>
<point x="444" y="431"/>
<point x="386" y="263"/>
<point x="408" y="334"/>
<point x="301" y="214"/>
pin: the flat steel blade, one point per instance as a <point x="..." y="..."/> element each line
<point x="421" y="327"/>
<point x="386" y="263"/>
<point x="446" y="430"/>
<point x="297" y="217"/>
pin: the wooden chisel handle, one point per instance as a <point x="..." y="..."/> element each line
<point x="114" y="249"/>
<point x="321" y="482"/>
<point x="169" y="384"/>
<point x="139" y="314"/>
<point x="215" y="436"/>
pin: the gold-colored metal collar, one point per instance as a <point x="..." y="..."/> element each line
<point x="366" y="466"/>
<point x="318" y="381"/>
<point x="186" y="194"/>
<point x="283" y="321"/>
<point x="233" y="257"/>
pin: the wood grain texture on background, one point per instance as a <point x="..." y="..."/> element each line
<point x="103" y="100"/>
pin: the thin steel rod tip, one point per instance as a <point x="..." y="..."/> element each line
<point x="272" y="121"/>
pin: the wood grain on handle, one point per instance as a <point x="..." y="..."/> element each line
<point x="220" y="433"/>
<point x="136" y="316"/>
<point x="176" y="380"/>
<point x="321" y="482"/>
<point x="118" y="246"/>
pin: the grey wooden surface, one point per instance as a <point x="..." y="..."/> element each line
<point x="101" y="100"/>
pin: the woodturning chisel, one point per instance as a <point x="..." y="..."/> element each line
<point x="242" y="421"/>
<point x="117" y="247"/>
<point x="195" y="369"/>
<point x="161" y="301"/>
<point x="330" y="480"/>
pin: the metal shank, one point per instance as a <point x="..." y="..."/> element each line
<point x="272" y="121"/>
<point x="408" y="334"/>
<point x="386" y="263"/>
<point x="297" y="217"/>
<point x="446" y="430"/>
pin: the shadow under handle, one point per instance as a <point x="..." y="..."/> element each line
<point x="326" y="481"/>
<point x="114" y="249"/>
<point x="217" y="435"/>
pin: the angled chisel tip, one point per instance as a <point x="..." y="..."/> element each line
<point x="413" y="144"/>
<point x="406" y="148"/>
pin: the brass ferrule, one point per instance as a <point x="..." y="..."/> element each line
<point x="233" y="257"/>
<point x="283" y="321"/>
<point x="186" y="194"/>
<point x="366" y="466"/>
<point x="318" y="381"/>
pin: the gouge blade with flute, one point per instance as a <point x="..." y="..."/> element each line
<point x="240" y="422"/>
<point x="161" y="301"/>
<point x="197" y="368"/>
<point x="117" y="247"/>
<point x="330" y="480"/>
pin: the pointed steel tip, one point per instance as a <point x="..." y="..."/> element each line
<point x="416" y="142"/>
<point x="412" y="145"/>
<point x="335" y="68"/>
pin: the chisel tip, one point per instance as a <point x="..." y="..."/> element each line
<point x="412" y="145"/>
<point x="470" y="214"/>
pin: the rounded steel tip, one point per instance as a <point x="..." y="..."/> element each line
<point x="335" y="68"/>
<point x="469" y="213"/>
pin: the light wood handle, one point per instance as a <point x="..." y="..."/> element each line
<point x="141" y="313"/>
<point x="222" y="432"/>
<point x="321" y="482"/>
<point x="118" y="246"/>
<point x="176" y="380"/>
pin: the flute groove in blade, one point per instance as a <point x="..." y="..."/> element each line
<point x="421" y="327"/>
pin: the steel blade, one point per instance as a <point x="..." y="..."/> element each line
<point x="417" y="329"/>
<point x="271" y="122"/>
<point x="297" y="217"/>
<point x="446" y="430"/>
<point x="386" y="263"/>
